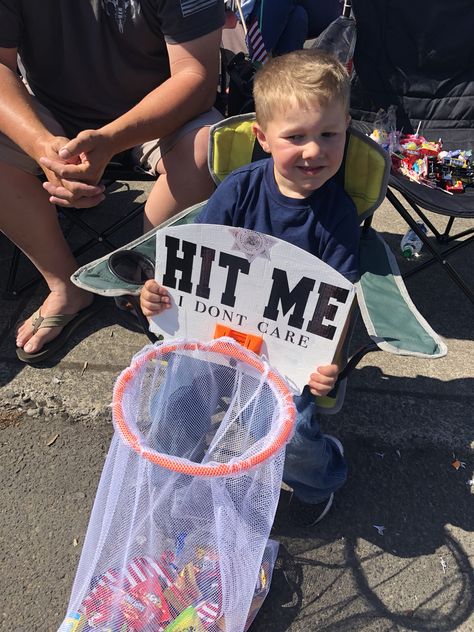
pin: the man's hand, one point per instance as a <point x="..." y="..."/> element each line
<point x="154" y="298"/>
<point x="68" y="192"/>
<point x="76" y="166"/>
<point x="323" y="380"/>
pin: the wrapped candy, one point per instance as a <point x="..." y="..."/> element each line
<point x="144" y="606"/>
<point x="74" y="622"/>
<point x="187" y="620"/>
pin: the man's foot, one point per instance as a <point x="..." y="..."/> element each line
<point x="71" y="301"/>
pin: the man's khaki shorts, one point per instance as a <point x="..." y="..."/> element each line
<point x="145" y="156"/>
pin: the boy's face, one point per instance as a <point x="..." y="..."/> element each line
<point x="307" y="145"/>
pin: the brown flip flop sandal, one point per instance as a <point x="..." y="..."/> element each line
<point x="69" y="322"/>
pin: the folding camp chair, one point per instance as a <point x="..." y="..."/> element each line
<point x="419" y="57"/>
<point x="393" y="323"/>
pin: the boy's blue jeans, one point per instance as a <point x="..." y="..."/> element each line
<point x="314" y="467"/>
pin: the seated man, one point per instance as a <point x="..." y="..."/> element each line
<point x="100" y="78"/>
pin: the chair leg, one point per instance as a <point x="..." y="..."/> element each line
<point x="445" y="237"/>
<point x="356" y="358"/>
<point x="439" y="257"/>
<point x="10" y="292"/>
<point x="136" y="212"/>
<point x="77" y="221"/>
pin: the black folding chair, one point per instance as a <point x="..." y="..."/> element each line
<point x="119" y="170"/>
<point x="419" y="57"/>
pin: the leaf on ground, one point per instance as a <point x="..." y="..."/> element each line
<point x="52" y="440"/>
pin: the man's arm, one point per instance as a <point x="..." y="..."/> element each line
<point x="190" y="90"/>
<point x="18" y="118"/>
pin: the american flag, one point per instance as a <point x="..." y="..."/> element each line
<point x="255" y="43"/>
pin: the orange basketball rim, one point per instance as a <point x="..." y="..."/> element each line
<point x="229" y="349"/>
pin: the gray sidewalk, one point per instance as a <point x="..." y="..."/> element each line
<point x="403" y="420"/>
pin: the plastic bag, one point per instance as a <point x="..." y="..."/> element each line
<point x="339" y="37"/>
<point x="385" y="130"/>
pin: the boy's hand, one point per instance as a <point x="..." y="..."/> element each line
<point x="323" y="380"/>
<point x="154" y="298"/>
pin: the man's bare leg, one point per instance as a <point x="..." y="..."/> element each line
<point x="183" y="179"/>
<point x="30" y="221"/>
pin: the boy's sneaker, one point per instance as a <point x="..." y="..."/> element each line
<point x="309" y="514"/>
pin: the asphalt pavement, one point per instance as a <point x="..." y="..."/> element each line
<point x="396" y="552"/>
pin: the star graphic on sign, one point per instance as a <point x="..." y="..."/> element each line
<point x="252" y="244"/>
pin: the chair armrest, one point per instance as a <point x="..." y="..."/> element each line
<point x="96" y="276"/>
<point x="389" y="315"/>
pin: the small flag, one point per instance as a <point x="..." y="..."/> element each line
<point x="255" y="43"/>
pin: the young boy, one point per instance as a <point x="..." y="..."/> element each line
<point x="301" y="103"/>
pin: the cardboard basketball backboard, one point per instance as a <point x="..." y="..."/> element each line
<point x="251" y="283"/>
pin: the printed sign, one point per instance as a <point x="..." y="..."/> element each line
<point x="254" y="284"/>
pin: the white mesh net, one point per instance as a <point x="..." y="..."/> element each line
<point x="178" y="536"/>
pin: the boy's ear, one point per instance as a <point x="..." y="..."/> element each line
<point x="262" y="139"/>
<point x="348" y="120"/>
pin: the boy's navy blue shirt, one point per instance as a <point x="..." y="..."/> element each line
<point x="324" y="224"/>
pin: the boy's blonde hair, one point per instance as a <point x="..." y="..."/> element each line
<point x="302" y="76"/>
